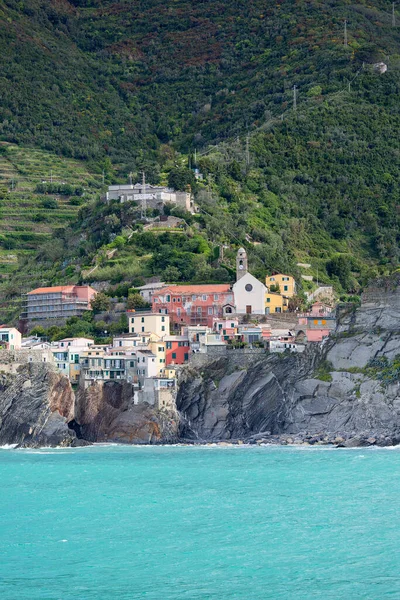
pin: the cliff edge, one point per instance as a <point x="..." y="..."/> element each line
<point x="346" y="390"/>
<point x="36" y="405"/>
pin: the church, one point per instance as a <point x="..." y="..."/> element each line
<point x="249" y="293"/>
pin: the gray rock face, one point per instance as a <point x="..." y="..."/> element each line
<point x="36" y="405"/>
<point x="107" y="413"/>
<point x="282" y="394"/>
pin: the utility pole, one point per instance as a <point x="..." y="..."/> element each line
<point x="345" y="32"/>
<point x="143" y="205"/>
<point x="393" y="16"/>
<point x="130" y="178"/>
<point x="294" y="98"/>
<point x="247" y="151"/>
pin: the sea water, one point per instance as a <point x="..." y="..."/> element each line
<point x="175" y="523"/>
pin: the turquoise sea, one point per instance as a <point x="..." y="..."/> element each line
<point x="177" y="523"/>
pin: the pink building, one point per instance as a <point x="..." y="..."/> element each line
<point x="320" y="309"/>
<point x="316" y="328"/>
<point x="192" y="304"/>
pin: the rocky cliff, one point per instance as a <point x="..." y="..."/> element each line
<point x="105" y="412"/>
<point x="346" y="390"/>
<point x="36" y="404"/>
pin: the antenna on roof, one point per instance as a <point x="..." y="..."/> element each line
<point x="144" y="207"/>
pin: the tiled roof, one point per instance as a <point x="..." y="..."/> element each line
<point x="52" y="290"/>
<point x="197" y="289"/>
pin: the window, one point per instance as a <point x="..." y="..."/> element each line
<point x="142" y="329"/>
<point x="232" y="324"/>
<point x="199" y="310"/>
<point x="162" y="327"/>
<point x="173" y="299"/>
<point x="142" y="320"/>
<point x="204" y="297"/>
<point x="193" y="298"/>
<point x="186" y="357"/>
<point x="178" y="299"/>
<point x="210" y="310"/>
<point x="132" y="330"/>
<point x="215" y="296"/>
<point x="248" y="287"/>
<point x="160" y="349"/>
<point x="272" y="278"/>
<point x="169" y="345"/>
<point x="162" y="319"/>
<point x="168" y="298"/>
<point x="219" y="325"/>
<point x="285" y="288"/>
<point x="132" y="319"/>
<point x="178" y="312"/>
<point x="268" y="299"/>
<point x="174" y="355"/>
<point x="180" y="344"/>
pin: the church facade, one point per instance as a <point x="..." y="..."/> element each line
<point x="248" y="292"/>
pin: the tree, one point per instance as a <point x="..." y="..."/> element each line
<point x="180" y="177"/>
<point x="100" y="303"/>
<point x="135" y="301"/>
<point x="172" y="274"/>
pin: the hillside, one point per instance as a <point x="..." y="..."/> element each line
<point x="104" y="88"/>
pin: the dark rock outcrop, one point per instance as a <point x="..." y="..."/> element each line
<point x="36" y="405"/>
<point x="105" y="412"/>
<point x="315" y="397"/>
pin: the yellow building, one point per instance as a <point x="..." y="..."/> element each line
<point x="148" y="322"/>
<point x="158" y="349"/>
<point x="275" y="303"/>
<point x="287" y="284"/>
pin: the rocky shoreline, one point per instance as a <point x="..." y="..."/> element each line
<point x="343" y="393"/>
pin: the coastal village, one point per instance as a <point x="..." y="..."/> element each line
<point x="186" y="323"/>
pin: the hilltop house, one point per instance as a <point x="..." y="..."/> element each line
<point x="150" y="196"/>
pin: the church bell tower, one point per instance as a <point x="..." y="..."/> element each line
<point x="241" y="263"/>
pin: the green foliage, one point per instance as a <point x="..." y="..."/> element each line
<point x="135" y="300"/>
<point x="100" y="303"/>
<point x="323" y="373"/>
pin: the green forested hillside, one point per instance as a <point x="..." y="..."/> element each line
<point x="127" y="86"/>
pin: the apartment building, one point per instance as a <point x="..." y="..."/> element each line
<point x="59" y="302"/>
<point x="192" y="304"/>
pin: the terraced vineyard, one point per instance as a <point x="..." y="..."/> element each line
<point x="28" y="216"/>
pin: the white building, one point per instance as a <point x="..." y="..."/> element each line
<point x="150" y="196"/>
<point x="10" y="338"/>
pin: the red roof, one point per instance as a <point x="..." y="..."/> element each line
<point x="195" y="289"/>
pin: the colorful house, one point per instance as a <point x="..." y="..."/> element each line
<point x="177" y="349"/>
<point x="192" y="304"/>
<point x="275" y="303"/>
<point x="315" y="328"/>
<point x="148" y="322"/>
<point x="286" y="283"/>
<point x="10" y="338"/>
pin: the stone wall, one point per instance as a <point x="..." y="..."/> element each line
<point x="11" y="360"/>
